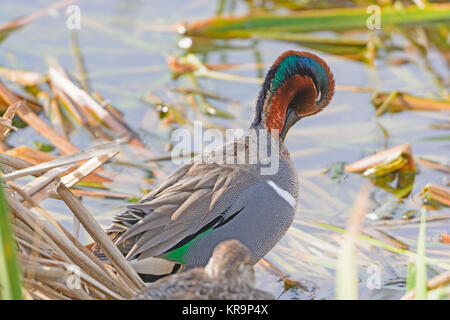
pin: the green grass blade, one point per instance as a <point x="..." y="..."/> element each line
<point x="411" y="278"/>
<point x="10" y="288"/>
<point x="441" y="263"/>
<point x="421" y="266"/>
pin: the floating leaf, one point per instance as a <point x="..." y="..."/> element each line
<point x="385" y="161"/>
<point x="433" y="193"/>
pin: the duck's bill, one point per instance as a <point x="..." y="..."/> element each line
<point x="290" y="119"/>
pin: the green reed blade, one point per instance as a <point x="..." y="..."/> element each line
<point x="339" y="19"/>
<point x="442" y="263"/>
<point x="10" y="288"/>
<point x="421" y="266"/>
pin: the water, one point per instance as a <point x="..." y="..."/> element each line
<point x="125" y="45"/>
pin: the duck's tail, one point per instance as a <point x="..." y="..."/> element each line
<point x="149" y="269"/>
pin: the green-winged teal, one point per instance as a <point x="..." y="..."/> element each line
<point x="228" y="275"/>
<point x="200" y="204"/>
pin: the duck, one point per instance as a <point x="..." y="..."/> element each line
<point x="203" y="203"/>
<point x="229" y="275"/>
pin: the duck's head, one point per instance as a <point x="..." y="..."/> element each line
<point x="231" y="259"/>
<point x="298" y="84"/>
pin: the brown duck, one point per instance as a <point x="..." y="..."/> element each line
<point x="229" y="275"/>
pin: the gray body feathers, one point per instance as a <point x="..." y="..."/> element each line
<point x="234" y="200"/>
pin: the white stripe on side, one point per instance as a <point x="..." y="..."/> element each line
<point x="283" y="193"/>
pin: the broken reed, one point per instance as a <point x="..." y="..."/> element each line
<point x="46" y="247"/>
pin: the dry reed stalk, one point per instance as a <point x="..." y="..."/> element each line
<point x="432" y="165"/>
<point x="105" y="103"/>
<point x="44" y="272"/>
<point x="60" y="228"/>
<point x="34" y="105"/>
<point x="383" y="236"/>
<point x="97" y="128"/>
<point x="347" y="270"/>
<point x="76" y="293"/>
<point x="22" y="77"/>
<point x="43" y="99"/>
<point x="83" y="77"/>
<point x="403" y="101"/>
<point x="6" y="120"/>
<point x="45" y="193"/>
<point x="56" y="118"/>
<point x="44" y="180"/>
<point x="35" y="157"/>
<point x="62" y="242"/>
<point x="351" y="88"/>
<point x="27" y="115"/>
<point x="383" y="107"/>
<point x="264" y="263"/>
<point x="49" y="293"/>
<point x="30" y="155"/>
<point x="87" y="168"/>
<point x="65" y="160"/>
<point x="35" y="205"/>
<point x="14" y="162"/>
<point x="26" y="235"/>
<point x="23" y="238"/>
<point x="438" y="193"/>
<point x="22" y="21"/>
<point x="91" y="281"/>
<point x="44" y="186"/>
<point x="100" y="194"/>
<point x="74" y="109"/>
<point x="242" y="66"/>
<point x="81" y="97"/>
<point x="98" y="234"/>
<point x="74" y="241"/>
<point x="398" y="222"/>
<point x="80" y="115"/>
<point x="4" y="146"/>
<point x="54" y="276"/>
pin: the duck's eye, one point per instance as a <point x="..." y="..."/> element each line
<point x="319" y="95"/>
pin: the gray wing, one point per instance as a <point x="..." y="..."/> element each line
<point x="193" y="197"/>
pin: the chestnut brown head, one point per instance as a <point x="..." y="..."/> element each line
<point x="298" y="84"/>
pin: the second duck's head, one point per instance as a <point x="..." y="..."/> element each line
<point x="298" y="84"/>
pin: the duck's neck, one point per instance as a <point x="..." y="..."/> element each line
<point x="271" y="114"/>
